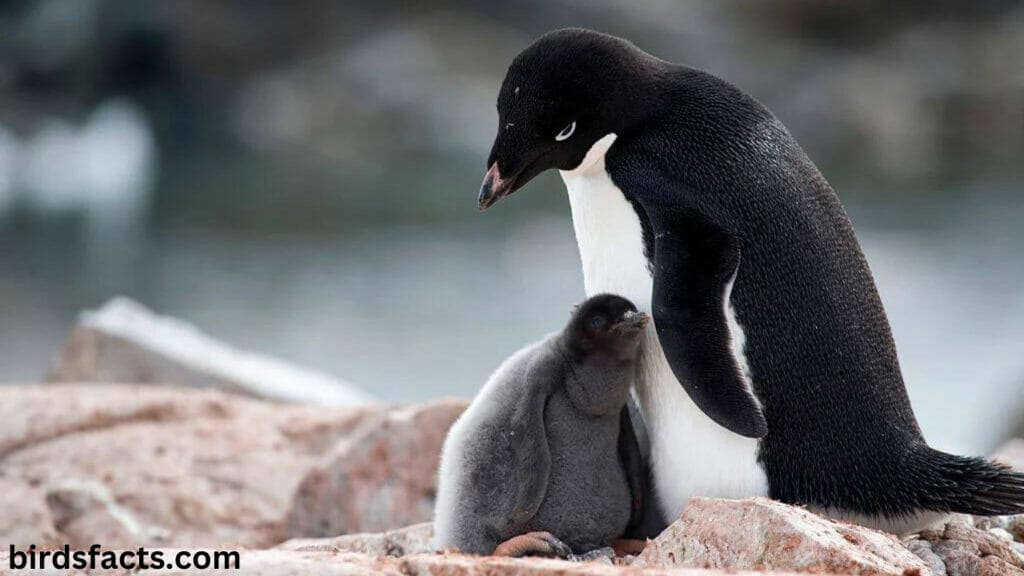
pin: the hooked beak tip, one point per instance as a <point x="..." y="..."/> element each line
<point x="494" y="188"/>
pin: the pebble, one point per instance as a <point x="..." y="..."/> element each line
<point x="923" y="550"/>
<point x="604" y="555"/>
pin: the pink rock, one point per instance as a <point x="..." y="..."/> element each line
<point x="136" y="465"/>
<point x="988" y="544"/>
<point x="383" y="476"/>
<point x="969" y="551"/>
<point x="459" y="565"/>
<point x="761" y="534"/>
<point x="297" y="563"/>
<point x="25" y="518"/>
<point x="964" y="559"/>
<point x="415" y="539"/>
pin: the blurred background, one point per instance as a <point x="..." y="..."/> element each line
<point x="300" y="178"/>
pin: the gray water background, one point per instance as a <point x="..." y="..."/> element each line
<point x="298" y="178"/>
<point x="416" y="312"/>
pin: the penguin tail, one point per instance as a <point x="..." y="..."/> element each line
<point x="967" y="485"/>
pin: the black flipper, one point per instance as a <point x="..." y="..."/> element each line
<point x="694" y="262"/>
<point x="645" y="520"/>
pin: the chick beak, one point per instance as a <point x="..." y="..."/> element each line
<point x="632" y="322"/>
<point x="636" y="319"/>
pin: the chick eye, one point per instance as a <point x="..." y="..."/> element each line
<point x="597" y="322"/>
<point x="566" y="132"/>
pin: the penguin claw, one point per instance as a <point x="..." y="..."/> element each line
<point x="533" y="544"/>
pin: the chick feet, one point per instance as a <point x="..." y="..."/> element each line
<point x="533" y="544"/>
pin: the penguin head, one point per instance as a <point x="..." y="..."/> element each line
<point x="606" y="324"/>
<point x="562" y="94"/>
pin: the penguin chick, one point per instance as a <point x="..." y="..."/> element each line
<point x="545" y="454"/>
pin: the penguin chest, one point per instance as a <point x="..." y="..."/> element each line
<point x="587" y="501"/>
<point x="690" y="454"/>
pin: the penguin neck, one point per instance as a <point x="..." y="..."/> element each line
<point x="608" y="230"/>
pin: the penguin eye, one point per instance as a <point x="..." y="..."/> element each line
<point x="597" y="322"/>
<point x="566" y="132"/>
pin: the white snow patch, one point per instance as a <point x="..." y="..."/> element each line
<point x="179" y="341"/>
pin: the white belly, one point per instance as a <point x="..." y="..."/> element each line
<point x="690" y="454"/>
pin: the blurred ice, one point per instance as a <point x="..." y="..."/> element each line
<point x="105" y="167"/>
<point x="51" y="171"/>
<point x="165" y="347"/>
<point x="118" y="157"/>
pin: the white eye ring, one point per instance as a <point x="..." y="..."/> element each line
<point x="566" y="132"/>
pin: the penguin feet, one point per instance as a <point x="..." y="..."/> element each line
<point x="533" y="544"/>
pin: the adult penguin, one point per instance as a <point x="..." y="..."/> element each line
<point x="772" y="369"/>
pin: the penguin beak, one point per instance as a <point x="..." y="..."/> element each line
<point x="633" y="321"/>
<point x="495" y="187"/>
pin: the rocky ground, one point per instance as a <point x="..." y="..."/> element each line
<point x="300" y="489"/>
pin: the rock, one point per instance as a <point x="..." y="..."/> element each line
<point x="299" y="563"/>
<point x="1015" y="526"/>
<point x="988" y="544"/>
<point x="125" y="342"/>
<point x="604" y="555"/>
<point x="1001" y="533"/>
<point x="923" y="550"/>
<point x="990" y="522"/>
<point x="1012" y="454"/>
<point x="415" y="542"/>
<point x="459" y="565"/>
<point x="84" y="510"/>
<point x="282" y="563"/>
<point x="761" y="534"/>
<point x="157" y="466"/>
<point x="968" y="550"/>
<point x="381" y="477"/>
<point x="413" y="539"/>
<point x="24" y="517"/>
<point x="140" y="465"/>
<point x="964" y="559"/>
